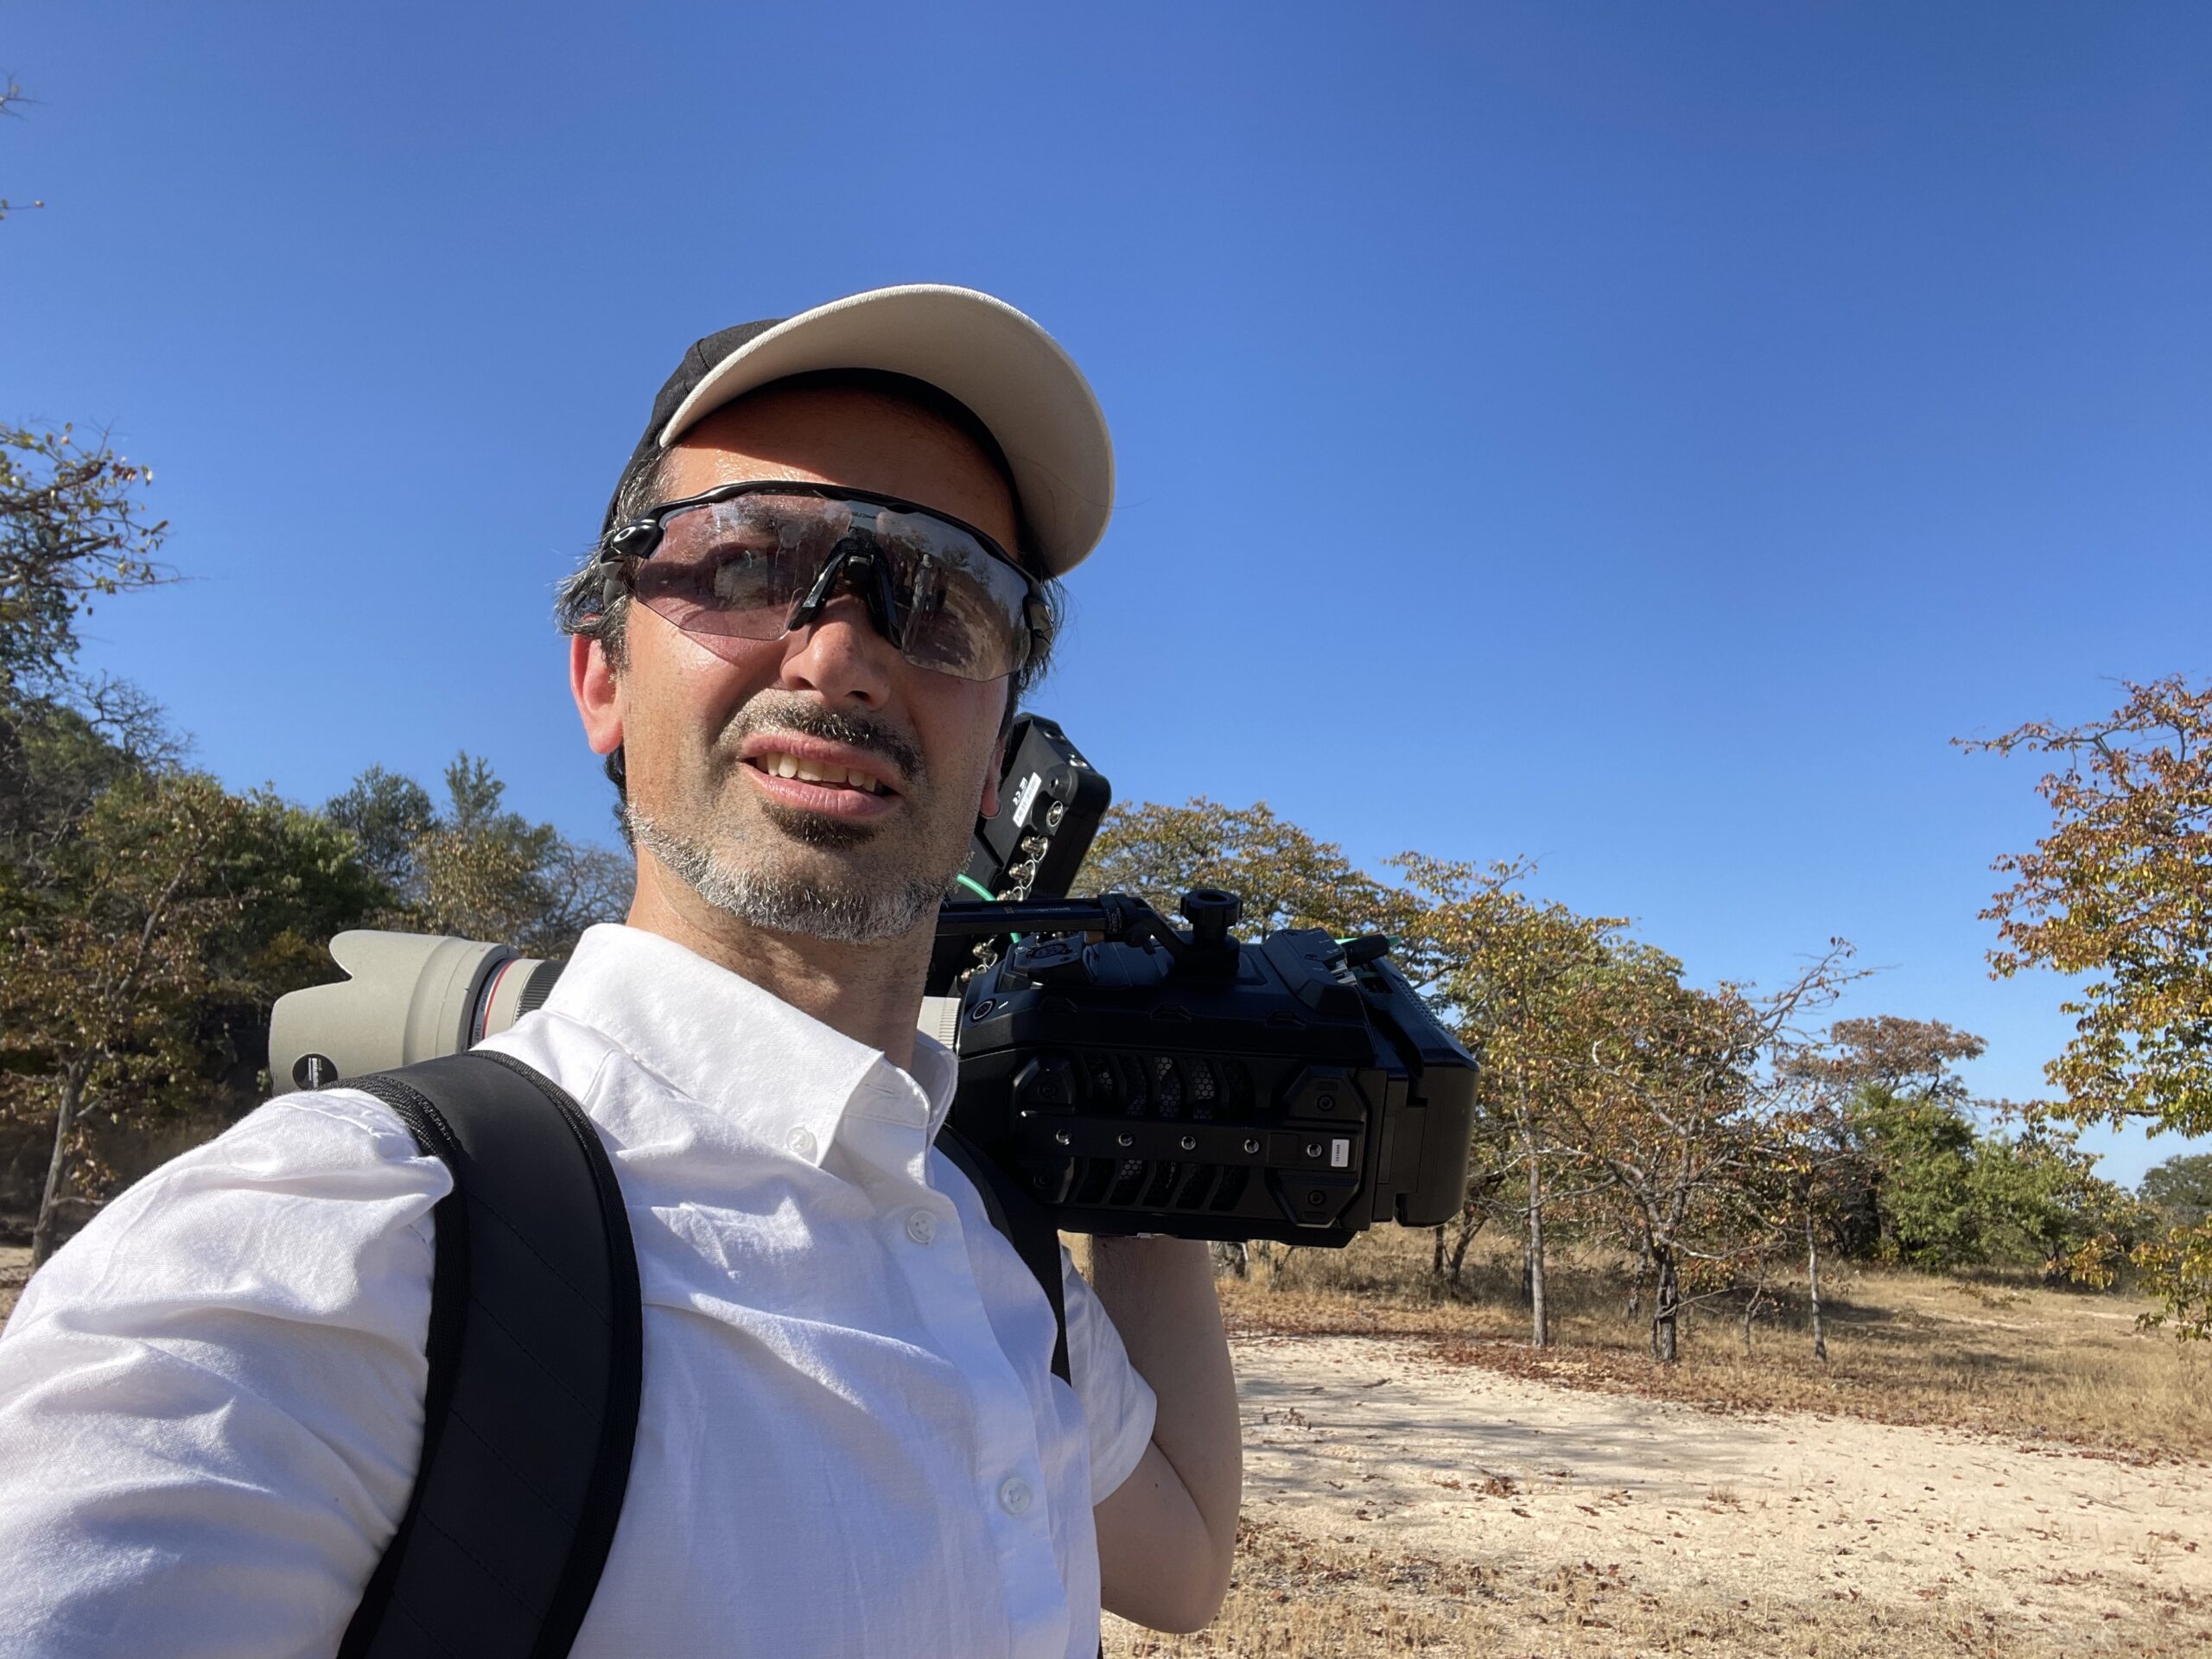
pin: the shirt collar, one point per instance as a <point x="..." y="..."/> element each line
<point x="716" y="1037"/>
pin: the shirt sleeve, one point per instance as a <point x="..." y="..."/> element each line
<point x="211" y="1400"/>
<point x="1118" y="1403"/>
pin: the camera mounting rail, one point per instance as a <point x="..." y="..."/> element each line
<point x="1115" y="916"/>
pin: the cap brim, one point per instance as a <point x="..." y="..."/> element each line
<point x="1012" y="373"/>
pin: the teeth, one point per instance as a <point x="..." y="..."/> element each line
<point x="787" y="766"/>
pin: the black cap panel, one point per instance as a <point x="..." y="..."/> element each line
<point x="695" y="366"/>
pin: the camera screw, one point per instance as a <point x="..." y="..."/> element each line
<point x="1251" y="1145"/>
<point x="1125" y="1138"/>
<point x="1312" y="1148"/>
<point x="1061" y="1138"/>
<point x="1189" y="1143"/>
<point x="1316" y="1199"/>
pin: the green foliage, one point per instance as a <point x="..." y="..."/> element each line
<point x="1947" y="1196"/>
<point x="2180" y="1189"/>
<point x="1924" y="1148"/>
<point x="386" y="815"/>
<point x="2038" y="1200"/>
<point x="2120" y="891"/>
<point x="475" y="870"/>
<point x="1286" y="877"/>
<point x="137" y="971"/>
<point x="2177" y="1270"/>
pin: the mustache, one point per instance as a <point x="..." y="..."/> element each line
<point x="862" y="732"/>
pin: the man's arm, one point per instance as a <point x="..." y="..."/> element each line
<point x="1167" y="1534"/>
<point x="211" y="1400"/>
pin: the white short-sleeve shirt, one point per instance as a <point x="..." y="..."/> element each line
<point x="850" y="1441"/>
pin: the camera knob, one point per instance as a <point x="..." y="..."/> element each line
<point x="1211" y="913"/>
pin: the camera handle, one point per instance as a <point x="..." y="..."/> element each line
<point x="1119" y="917"/>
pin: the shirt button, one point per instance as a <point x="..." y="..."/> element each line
<point x="921" y="1226"/>
<point x="1013" y="1495"/>
<point x="801" y="1142"/>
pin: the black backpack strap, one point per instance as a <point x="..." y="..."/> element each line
<point x="1028" y="1226"/>
<point x="535" y="1363"/>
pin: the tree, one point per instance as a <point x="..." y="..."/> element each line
<point x="2181" y="1188"/>
<point x="138" y="982"/>
<point x="1923" y="1150"/>
<point x="1678" y="1107"/>
<point x="1897" y="1147"/>
<point x="2038" y="1199"/>
<point x="99" y="981"/>
<point x="1899" y="1057"/>
<point x="386" y="815"/>
<point x="1512" y="974"/>
<point x="2120" y="890"/>
<point x="1285" y="876"/>
<point x="71" y="529"/>
<point x="476" y="870"/>
<point x="11" y="95"/>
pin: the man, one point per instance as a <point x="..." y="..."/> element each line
<point x="827" y="570"/>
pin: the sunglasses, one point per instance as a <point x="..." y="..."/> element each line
<point x="761" y="560"/>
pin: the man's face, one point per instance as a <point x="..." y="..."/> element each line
<point x="706" y="734"/>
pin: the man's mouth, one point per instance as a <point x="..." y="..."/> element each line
<point x="816" y="772"/>
<point x="817" y="777"/>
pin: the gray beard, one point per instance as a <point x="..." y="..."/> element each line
<point x="850" y="915"/>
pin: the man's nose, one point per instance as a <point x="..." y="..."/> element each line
<point x="840" y="655"/>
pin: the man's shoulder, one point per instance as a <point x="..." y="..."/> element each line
<point x="304" y="1200"/>
<point x="567" y="1052"/>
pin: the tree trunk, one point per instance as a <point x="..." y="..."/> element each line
<point x="1235" y="1257"/>
<point x="1750" y="1313"/>
<point x="1540" y="1330"/>
<point x="1666" y="1312"/>
<point x="1469" y="1224"/>
<point x="65" y="1120"/>
<point x="1436" y="1263"/>
<point x="1812" y="1282"/>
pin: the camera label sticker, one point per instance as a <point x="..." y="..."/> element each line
<point x="1340" y="1153"/>
<point x="1026" y="797"/>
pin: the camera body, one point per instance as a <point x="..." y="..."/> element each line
<point x="1295" y="1090"/>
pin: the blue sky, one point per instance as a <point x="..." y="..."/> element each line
<point x="1634" y="436"/>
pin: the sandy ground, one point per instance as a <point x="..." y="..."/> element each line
<point x="1378" y="1442"/>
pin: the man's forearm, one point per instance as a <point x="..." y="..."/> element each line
<point x="1159" y="1292"/>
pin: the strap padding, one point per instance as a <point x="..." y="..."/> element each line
<point x="524" y="1468"/>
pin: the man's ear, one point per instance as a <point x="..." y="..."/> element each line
<point x="592" y="682"/>
<point x="989" y="805"/>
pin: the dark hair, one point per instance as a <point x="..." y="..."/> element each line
<point x="588" y="606"/>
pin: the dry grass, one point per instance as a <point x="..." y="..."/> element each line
<point x="1302" y="1597"/>
<point x="2018" y="1359"/>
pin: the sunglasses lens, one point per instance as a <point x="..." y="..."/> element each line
<point x="966" y="610"/>
<point x="736" y="569"/>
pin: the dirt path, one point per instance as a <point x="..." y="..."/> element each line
<point x="1376" y="1442"/>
